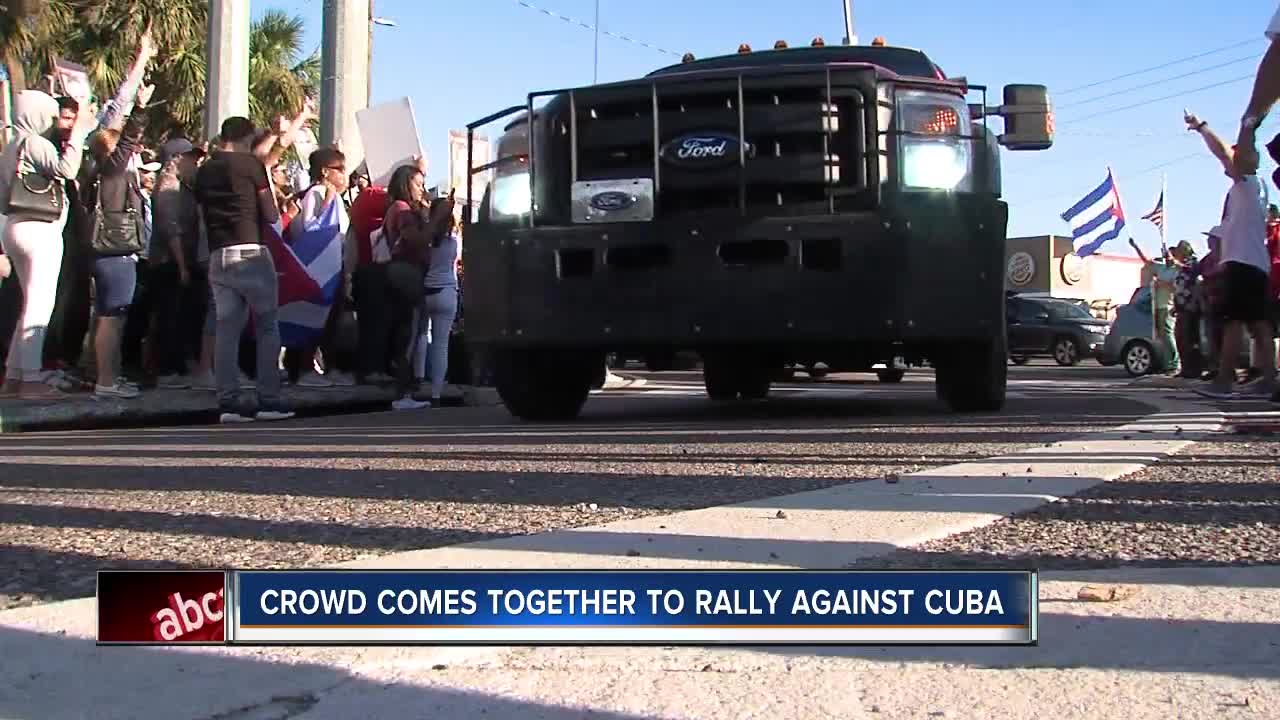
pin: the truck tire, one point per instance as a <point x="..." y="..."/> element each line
<point x="728" y="379"/>
<point x="754" y="383"/>
<point x="720" y="378"/>
<point x="973" y="377"/>
<point x="545" y="386"/>
<point x="891" y="376"/>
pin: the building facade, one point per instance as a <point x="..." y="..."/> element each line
<point x="1046" y="265"/>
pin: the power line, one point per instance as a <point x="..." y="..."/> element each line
<point x="1150" y="83"/>
<point x="1171" y="63"/>
<point x="1145" y="103"/>
<point x="589" y="26"/>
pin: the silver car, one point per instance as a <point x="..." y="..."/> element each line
<point x="1132" y="343"/>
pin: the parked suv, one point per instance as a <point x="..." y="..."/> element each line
<point x="1047" y="327"/>
<point x="839" y="205"/>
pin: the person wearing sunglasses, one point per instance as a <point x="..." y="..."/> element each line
<point x="322" y="217"/>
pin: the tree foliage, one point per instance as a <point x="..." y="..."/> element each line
<point x="104" y="36"/>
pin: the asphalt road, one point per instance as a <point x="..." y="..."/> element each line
<point x="319" y="491"/>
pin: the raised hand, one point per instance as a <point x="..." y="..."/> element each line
<point x="87" y="118"/>
<point x="1193" y="122"/>
<point x="146" y="46"/>
<point x="144" y="95"/>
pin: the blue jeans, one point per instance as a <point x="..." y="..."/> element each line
<point x="435" y="321"/>
<point x="244" y="282"/>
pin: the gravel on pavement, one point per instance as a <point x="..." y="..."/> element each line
<point x="1215" y="504"/>
<point x="331" y="490"/>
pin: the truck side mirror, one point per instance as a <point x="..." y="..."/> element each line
<point x="1028" y="117"/>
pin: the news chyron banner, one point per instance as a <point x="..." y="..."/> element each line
<point x="641" y="607"/>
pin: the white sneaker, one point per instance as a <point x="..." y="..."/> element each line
<point x="204" y="381"/>
<point x="274" y="415"/>
<point x="173" y="382"/>
<point x="408" y="403"/>
<point x="314" y="379"/>
<point x="115" y="392"/>
<point x="229" y="418"/>
<point x="341" y="379"/>
<point x="246" y="383"/>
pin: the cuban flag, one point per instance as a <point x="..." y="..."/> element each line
<point x="1097" y="218"/>
<point x="310" y="273"/>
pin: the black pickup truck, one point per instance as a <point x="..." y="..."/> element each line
<point x="823" y="204"/>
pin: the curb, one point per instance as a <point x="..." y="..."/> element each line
<point x="172" y="408"/>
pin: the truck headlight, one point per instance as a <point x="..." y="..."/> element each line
<point x="935" y="152"/>
<point x="935" y="165"/>
<point x="511" y="196"/>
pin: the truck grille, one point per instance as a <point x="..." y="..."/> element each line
<point x="805" y="148"/>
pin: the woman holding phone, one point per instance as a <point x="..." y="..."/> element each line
<point x="439" y="306"/>
<point x="411" y="226"/>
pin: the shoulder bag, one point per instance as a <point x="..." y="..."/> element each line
<point x="115" y="232"/>
<point x="35" y="196"/>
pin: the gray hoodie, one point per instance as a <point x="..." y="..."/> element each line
<point x="34" y="114"/>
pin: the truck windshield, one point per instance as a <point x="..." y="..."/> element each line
<point x="910" y="63"/>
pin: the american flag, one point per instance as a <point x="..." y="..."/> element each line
<point x="1157" y="216"/>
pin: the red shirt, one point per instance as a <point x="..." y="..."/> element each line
<point x="367" y="213"/>
<point x="1273" y="250"/>
<point x="401" y="217"/>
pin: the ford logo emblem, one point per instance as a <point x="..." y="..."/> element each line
<point x="703" y="150"/>
<point x="612" y="201"/>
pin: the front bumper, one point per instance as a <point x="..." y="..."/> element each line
<point x="924" y="269"/>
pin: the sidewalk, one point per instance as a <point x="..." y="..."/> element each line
<point x="158" y="408"/>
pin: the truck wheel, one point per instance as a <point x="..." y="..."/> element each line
<point x="720" y="379"/>
<point x="754" y="383"/>
<point x="973" y="377"/>
<point x="728" y="379"/>
<point x="891" y="376"/>
<point x="545" y="386"/>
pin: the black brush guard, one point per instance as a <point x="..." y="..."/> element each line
<point x="863" y="268"/>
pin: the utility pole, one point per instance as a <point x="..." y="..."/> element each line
<point x="849" y="37"/>
<point x="227" y="91"/>
<point x="344" y="67"/>
<point x="595" y="77"/>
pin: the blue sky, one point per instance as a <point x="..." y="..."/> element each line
<point x="459" y="61"/>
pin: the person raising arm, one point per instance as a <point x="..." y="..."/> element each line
<point x="1227" y="156"/>
<point x="1266" y="90"/>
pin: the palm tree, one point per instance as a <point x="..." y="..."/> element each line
<point x="106" y="43"/>
<point x="29" y="32"/>
<point x="280" y="79"/>
<point x="104" y="35"/>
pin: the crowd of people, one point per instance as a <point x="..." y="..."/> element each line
<point x="209" y="266"/>
<point x="1205" y="307"/>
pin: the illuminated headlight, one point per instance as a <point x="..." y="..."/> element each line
<point x="935" y="147"/>
<point x="934" y="164"/>
<point x="511" y="196"/>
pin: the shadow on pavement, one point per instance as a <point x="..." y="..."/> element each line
<point x="63" y="678"/>
<point x="1247" y="650"/>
